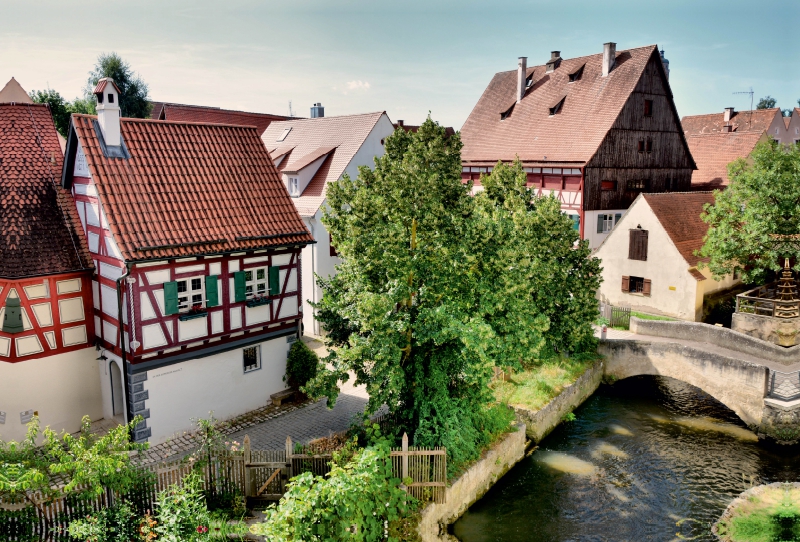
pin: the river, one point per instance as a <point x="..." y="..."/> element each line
<point x="648" y="458"/>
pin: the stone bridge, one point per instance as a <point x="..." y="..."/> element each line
<point x="735" y="369"/>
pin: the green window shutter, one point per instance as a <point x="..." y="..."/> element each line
<point x="239" y="291"/>
<point x="600" y="219"/>
<point x="212" y="292"/>
<point x="576" y="222"/>
<point x="617" y="217"/>
<point x="171" y="297"/>
<point x="274" y="281"/>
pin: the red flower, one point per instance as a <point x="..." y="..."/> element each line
<point x="202" y="529"/>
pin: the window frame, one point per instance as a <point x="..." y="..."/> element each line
<point x="648" y="108"/>
<point x="636" y="285"/>
<point x="294" y="186"/>
<point x="189" y="293"/>
<point x="608" y="186"/>
<point x="634" y="185"/>
<point x="254" y="282"/>
<point x="251" y="368"/>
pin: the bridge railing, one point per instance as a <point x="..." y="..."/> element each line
<point x="784" y="386"/>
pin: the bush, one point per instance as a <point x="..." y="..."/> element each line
<point x="182" y="515"/>
<point x="301" y="366"/>
<point x="115" y="524"/>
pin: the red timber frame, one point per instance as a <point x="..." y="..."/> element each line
<point x="566" y="183"/>
<point x="57" y="326"/>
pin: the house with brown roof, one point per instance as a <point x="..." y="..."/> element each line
<point x="649" y="261"/>
<point x="197" y="248"/>
<point x="717" y="139"/>
<point x="47" y="355"/>
<point x="212" y="115"/>
<point x="310" y="154"/>
<point x="793" y="127"/>
<point x="595" y="131"/>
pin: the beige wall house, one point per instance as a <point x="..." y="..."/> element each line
<point x="648" y="259"/>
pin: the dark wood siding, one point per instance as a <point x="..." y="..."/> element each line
<point x="666" y="168"/>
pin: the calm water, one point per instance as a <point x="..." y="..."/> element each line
<point x="647" y="459"/>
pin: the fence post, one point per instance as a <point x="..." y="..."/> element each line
<point x="404" y="459"/>
<point x="289" y="453"/>
<point x="247" y="457"/>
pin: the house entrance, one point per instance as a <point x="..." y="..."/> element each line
<point x="117" y="394"/>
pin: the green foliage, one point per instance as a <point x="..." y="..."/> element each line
<point x="134" y="100"/>
<point x="59" y="107"/>
<point x="116" y="524"/>
<point x="301" y="365"/>
<point x="569" y="417"/>
<point x="182" y="515"/>
<point x="23" y="470"/>
<point x="359" y="495"/>
<point x="753" y="223"/>
<point x="767" y="102"/>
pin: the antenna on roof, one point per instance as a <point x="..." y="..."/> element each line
<point x="291" y="113"/>
<point x="750" y="117"/>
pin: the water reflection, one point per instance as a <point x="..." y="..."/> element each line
<point x="647" y="459"/>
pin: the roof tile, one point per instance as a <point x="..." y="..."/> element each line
<point x="679" y="214"/>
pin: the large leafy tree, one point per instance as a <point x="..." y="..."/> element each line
<point x="767" y="102"/>
<point x="755" y="222"/>
<point x="433" y="289"/>
<point x="134" y="100"/>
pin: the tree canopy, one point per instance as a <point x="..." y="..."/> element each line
<point x="436" y="287"/>
<point x="755" y="222"/>
<point x="134" y="99"/>
<point x="767" y="102"/>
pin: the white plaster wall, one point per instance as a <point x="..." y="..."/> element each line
<point x="590" y="226"/>
<point x="178" y="393"/>
<point x="665" y="267"/>
<point x="104" y="374"/>
<point x="62" y="388"/>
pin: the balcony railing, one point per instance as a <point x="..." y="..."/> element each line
<point x="761" y="301"/>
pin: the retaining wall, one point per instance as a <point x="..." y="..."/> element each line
<point x="471" y="486"/>
<point x="541" y="422"/>
<point x="719" y="336"/>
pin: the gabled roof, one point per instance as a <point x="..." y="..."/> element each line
<point x="757" y="120"/>
<point x="713" y="152"/>
<point x="344" y="134"/>
<point x="102" y="83"/>
<point x="187" y="189"/>
<point x="13" y="92"/>
<point x="215" y="115"/>
<point x="308" y="159"/>
<point x="40" y="231"/>
<point x="679" y="215"/>
<point x="575" y="132"/>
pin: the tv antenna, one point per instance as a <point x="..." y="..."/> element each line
<point x="750" y="92"/>
<point x="291" y="113"/>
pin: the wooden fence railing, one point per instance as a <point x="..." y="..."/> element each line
<point x="616" y="316"/>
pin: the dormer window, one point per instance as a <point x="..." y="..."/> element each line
<point x="110" y="98"/>
<point x="575" y="76"/>
<point x="529" y="81"/>
<point x="557" y="108"/>
<point x="294" y="187"/>
<point x="284" y="134"/>
<point x="505" y="114"/>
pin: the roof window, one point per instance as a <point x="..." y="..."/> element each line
<point x="557" y="108"/>
<point x="576" y="75"/>
<point x="507" y="113"/>
<point x="284" y="134"/>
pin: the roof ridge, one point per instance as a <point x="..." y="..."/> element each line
<point x="222" y="109"/>
<point x="584" y="56"/>
<point x="184" y="122"/>
<point x="378" y="113"/>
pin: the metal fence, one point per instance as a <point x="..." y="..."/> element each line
<point x="784" y="386"/>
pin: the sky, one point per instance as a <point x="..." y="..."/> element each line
<point x="408" y="58"/>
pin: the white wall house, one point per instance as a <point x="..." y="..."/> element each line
<point x="648" y="259"/>
<point x="310" y="153"/>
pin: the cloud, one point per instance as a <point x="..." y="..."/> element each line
<point x="357" y="85"/>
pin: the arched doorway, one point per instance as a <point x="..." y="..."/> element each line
<point x="117" y="393"/>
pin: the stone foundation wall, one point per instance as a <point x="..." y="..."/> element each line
<point x="781" y="331"/>
<point x="541" y="422"/>
<point x="781" y="421"/>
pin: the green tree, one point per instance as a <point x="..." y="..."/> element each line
<point x="134" y="100"/>
<point x="59" y="107"/>
<point x="755" y="222"/>
<point x="767" y="102"/>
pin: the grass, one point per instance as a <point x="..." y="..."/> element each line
<point x="539" y="384"/>
<point x="645" y="316"/>
<point x="771" y="515"/>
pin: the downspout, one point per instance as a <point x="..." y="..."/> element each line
<point x="126" y="388"/>
<point x="314" y="324"/>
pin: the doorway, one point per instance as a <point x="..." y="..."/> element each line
<point x="117" y="393"/>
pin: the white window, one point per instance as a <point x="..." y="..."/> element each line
<point x="608" y="223"/>
<point x="191" y="292"/>
<point x="251" y="358"/>
<point x="605" y="222"/>
<point x="284" y="134"/>
<point x="294" y="186"/>
<point x="256" y="282"/>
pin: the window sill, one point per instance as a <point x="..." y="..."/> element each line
<point x="637" y="294"/>
<point x="257" y="302"/>
<point x="185" y="317"/>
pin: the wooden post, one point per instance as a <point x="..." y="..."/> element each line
<point x="247" y="456"/>
<point x="289" y="453"/>
<point x="404" y="459"/>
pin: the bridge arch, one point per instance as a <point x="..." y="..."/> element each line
<point x="737" y="384"/>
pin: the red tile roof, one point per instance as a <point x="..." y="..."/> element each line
<point x="39" y="225"/>
<point x="345" y="133"/>
<point x="189" y="189"/>
<point x="758" y="120"/>
<point x="101" y="85"/>
<point x="308" y="159"/>
<point x="679" y="214"/>
<point x="713" y="152"/>
<point x="574" y="134"/>
<point x="215" y="115"/>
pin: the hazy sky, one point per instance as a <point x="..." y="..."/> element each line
<point x="406" y="57"/>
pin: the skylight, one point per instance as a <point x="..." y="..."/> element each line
<point x="284" y="134"/>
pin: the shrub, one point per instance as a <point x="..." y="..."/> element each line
<point x="115" y="524"/>
<point x="181" y="512"/>
<point x="301" y="366"/>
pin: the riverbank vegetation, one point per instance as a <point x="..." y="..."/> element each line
<point x="763" y="514"/>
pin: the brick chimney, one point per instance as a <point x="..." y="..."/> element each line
<point x="522" y="68"/>
<point x="727" y="114"/>
<point x="609" y="57"/>
<point x="555" y="60"/>
<point x="108" y="112"/>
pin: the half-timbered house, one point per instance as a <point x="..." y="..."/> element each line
<point x="595" y="131"/>
<point x="47" y="360"/>
<point x="197" y="246"/>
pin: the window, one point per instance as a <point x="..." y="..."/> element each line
<point x="636" y="285"/>
<point x="556" y="108"/>
<point x="608" y="185"/>
<point x="637" y="245"/>
<point x="284" y="134"/>
<point x="190" y="293"/>
<point x="256" y="282"/>
<point x="649" y="146"/>
<point x="576" y="222"/>
<point x="576" y="75"/>
<point x="294" y="186"/>
<point x="505" y="114"/>
<point x="110" y="98"/>
<point x="251" y="358"/>
<point x="648" y="108"/>
<point x="637" y="184"/>
<point x="606" y="222"/>
<point x="260" y="281"/>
